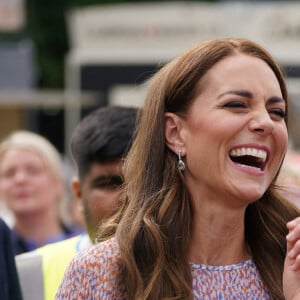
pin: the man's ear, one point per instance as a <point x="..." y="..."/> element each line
<point x="77" y="209"/>
<point x="76" y="189"/>
<point x="174" y="132"/>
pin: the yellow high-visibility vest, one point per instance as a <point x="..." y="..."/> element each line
<point x="41" y="271"/>
<point x="55" y="260"/>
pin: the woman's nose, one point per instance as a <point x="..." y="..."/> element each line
<point x="20" y="176"/>
<point x="261" y="123"/>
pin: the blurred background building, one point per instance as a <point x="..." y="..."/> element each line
<point x="59" y="59"/>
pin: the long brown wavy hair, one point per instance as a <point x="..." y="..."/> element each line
<point x="153" y="227"/>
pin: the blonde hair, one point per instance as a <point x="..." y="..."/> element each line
<point x="36" y="143"/>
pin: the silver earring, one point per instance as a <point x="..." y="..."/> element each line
<point x="181" y="164"/>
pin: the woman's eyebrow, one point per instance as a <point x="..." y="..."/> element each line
<point x="248" y="94"/>
<point x="242" y="93"/>
<point x="275" y="99"/>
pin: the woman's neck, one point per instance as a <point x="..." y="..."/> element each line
<point x="218" y="237"/>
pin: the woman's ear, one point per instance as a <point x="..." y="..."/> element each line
<point x="174" y="132"/>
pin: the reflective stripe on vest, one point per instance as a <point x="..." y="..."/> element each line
<point x="29" y="266"/>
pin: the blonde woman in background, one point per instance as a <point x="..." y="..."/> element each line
<point x="32" y="186"/>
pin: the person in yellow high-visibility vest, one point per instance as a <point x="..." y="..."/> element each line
<point x="98" y="144"/>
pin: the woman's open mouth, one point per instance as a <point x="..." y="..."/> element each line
<point x="248" y="156"/>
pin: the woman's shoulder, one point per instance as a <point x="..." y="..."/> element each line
<point x="95" y="272"/>
<point x="105" y="254"/>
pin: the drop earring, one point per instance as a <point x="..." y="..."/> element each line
<point x="181" y="164"/>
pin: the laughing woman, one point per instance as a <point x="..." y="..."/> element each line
<point x="202" y="218"/>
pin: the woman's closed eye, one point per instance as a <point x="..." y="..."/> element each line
<point x="235" y="104"/>
<point x="278" y="112"/>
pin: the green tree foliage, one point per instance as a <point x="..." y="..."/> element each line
<point x="46" y="27"/>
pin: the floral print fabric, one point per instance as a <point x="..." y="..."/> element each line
<point x="96" y="273"/>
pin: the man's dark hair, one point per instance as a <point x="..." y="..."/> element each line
<point x="104" y="135"/>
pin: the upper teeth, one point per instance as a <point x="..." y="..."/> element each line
<point x="250" y="151"/>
